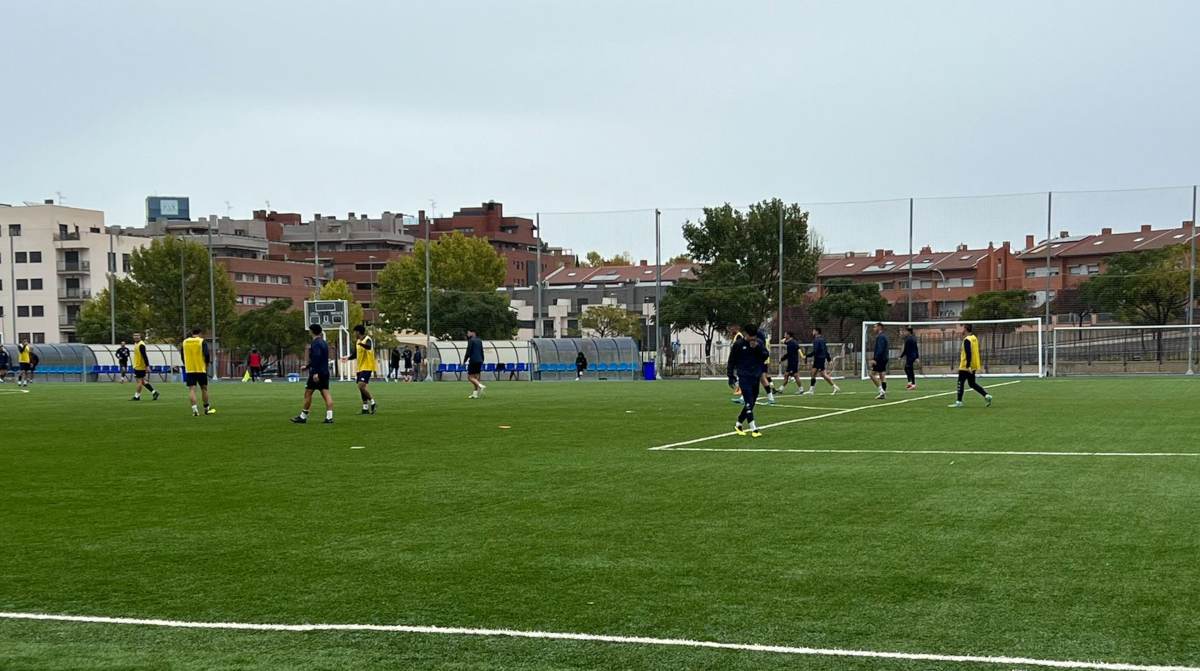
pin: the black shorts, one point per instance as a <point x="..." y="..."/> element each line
<point x="193" y="379"/>
<point x="363" y="376"/>
<point x="879" y="366"/>
<point x="474" y="368"/>
<point x="26" y="367"/>
<point x="139" y="374"/>
<point x="320" y="384"/>
<point x="124" y="368"/>
<point x="818" y="364"/>
<point x="793" y="368"/>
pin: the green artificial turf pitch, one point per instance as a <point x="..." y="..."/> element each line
<point x="566" y="522"/>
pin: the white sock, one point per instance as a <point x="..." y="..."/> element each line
<point x="372" y="401"/>
<point x="328" y="414"/>
<point x="365" y="407"/>
<point x="753" y="426"/>
<point x="194" y="408"/>
<point x="137" y="395"/>
<point x="303" y="414"/>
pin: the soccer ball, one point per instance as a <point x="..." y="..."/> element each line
<point x="268" y="380"/>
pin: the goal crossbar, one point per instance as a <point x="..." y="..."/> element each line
<point x="1011" y="347"/>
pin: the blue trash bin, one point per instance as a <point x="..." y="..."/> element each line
<point x="648" y="370"/>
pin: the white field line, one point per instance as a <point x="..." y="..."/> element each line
<point x="602" y="638"/>
<point x="835" y="413"/>
<point x="950" y="452"/>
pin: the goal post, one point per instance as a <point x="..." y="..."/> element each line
<point x="1009" y="347"/>
<point x="1124" y="350"/>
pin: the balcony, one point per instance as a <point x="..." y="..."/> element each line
<point x="68" y="320"/>
<point x="74" y="267"/>
<point x="74" y="294"/>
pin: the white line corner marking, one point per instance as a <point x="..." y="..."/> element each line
<point x="600" y="638"/>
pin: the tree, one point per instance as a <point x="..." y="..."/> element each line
<point x="156" y="270"/>
<point x="679" y="259"/>
<point x="741" y="249"/>
<point x="94" y="322"/>
<point x="845" y="301"/>
<point x="1074" y="302"/>
<point x="488" y="314"/>
<point x="596" y="259"/>
<point x="339" y="290"/>
<point x="276" y="328"/>
<point x="1143" y="288"/>
<point x="610" y="321"/>
<point x="702" y="308"/>
<point x="458" y="264"/>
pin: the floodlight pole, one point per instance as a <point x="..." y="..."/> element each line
<point x="183" y="287"/>
<point x="780" y="329"/>
<point x="428" y="312"/>
<point x="1191" y="311"/>
<point x="212" y="301"/>
<point x="658" y="348"/>
<point x="112" y="288"/>
<point x="1049" y="226"/>
<point x="537" y="318"/>
<point x="910" y="258"/>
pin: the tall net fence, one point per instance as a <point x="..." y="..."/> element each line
<point x="1120" y="350"/>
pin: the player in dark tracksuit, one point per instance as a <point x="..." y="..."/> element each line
<point x="879" y="361"/>
<point x="749" y="357"/>
<point x="911" y="353"/>
<point x="820" y="357"/>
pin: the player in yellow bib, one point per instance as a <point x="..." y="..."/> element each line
<point x="24" y="363"/>
<point x="364" y="354"/>
<point x="141" y="366"/>
<point x="970" y="362"/>
<point x="196" y="358"/>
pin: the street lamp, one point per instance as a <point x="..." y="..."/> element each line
<point x="932" y="292"/>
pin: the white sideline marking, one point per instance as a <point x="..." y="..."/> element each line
<point x="962" y="452"/>
<point x="358" y="447"/>
<point x="844" y="411"/>
<point x="603" y="638"/>
<point x="799" y="407"/>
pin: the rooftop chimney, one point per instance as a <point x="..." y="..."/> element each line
<point x="926" y="250"/>
<point x="316" y="216"/>
<point x="962" y="247"/>
<point x="1145" y="228"/>
<point x="1189" y="224"/>
<point x="1064" y="234"/>
<point x="1106" y="231"/>
<point x="879" y="253"/>
<point x="350" y="215"/>
<point x="1029" y="242"/>
<point x="644" y="262"/>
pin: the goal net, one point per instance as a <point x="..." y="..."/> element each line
<point x="1009" y="347"/>
<point x="1120" y="350"/>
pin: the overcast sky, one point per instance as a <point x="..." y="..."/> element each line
<point x="576" y="106"/>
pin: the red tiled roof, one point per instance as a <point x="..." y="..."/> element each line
<point x="619" y="274"/>
<point x="1106" y="243"/>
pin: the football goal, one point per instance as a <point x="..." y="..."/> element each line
<point x="1121" y="350"/>
<point x="1009" y="347"/>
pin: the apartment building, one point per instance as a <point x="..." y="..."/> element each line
<point x="942" y="281"/>
<point x="53" y="259"/>
<point x="1067" y="261"/>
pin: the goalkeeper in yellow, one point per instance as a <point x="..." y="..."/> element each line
<point x="970" y="362"/>
<point x="364" y="354"/>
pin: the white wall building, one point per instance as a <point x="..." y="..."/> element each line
<point x="53" y="259"/>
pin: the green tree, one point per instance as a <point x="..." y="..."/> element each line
<point x="1143" y="288"/>
<point x="339" y="290"/>
<point x="133" y="315"/>
<point x="488" y="314"/>
<point x="610" y="321"/>
<point x="702" y="308"/>
<point x="848" y="305"/>
<point x="276" y="329"/>
<point x="458" y="264"/>
<point x="679" y="259"/>
<point x="741" y="249"/>
<point x="1010" y="304"/>
<point x="596" y="259"/>
<point x="156" y="270"/>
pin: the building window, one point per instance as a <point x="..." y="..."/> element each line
<point x="38" y="338"/>
<point x="23" y="337"/>
<point x="21" y="257"/>
<point x="14" y="230"/>
<point x="363" y="286"/>
<point x="37" y="310"/>
<point x="22" y="285"/>
<point x="35" y="257"/>
<point x="126" y="266"/>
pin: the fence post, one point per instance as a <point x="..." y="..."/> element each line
<point x="1191" y="311"/>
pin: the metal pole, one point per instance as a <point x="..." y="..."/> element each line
<point x="112" y="289"/>
<point x="317" y="256"/>
<point x="537" y="317"/>
<point x="1191" y="311"/>
<point x="1049" y="225"/>
<point x="780" y="329"/>
<point x="374" y="277"/>
<point x="910" y="258"/>
<point x="657" y="293"/>
<point x="12" y="283"/>
<point x="212" y="302"/>
<point x="428" y="311"/>
<point x="183" y="286"/>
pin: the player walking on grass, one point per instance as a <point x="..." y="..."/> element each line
<point x="911" y="354"/>
<point x="765" y="379"/>
<point x="735" y="336"/>
<point x="580" y="365"/>
<point x="749" y="356"/>
<point x="364" y="353"/>
<point x="318" y="377"/>
<point x="123" y="362"/>
<point x="24" y="363"/>
<point x="141" y="366"/>
<point x="791" y="359"/>
<point x="970" y="362"/>
<point x="820" y="357"/>
<point x="196" y="358"/>
<point x="3" y="364"/>
<point x="474" y="361"/>
<point x="880" y="361"/>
